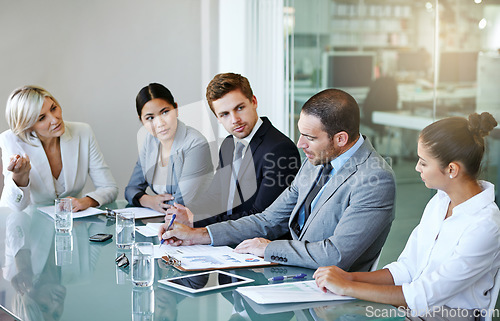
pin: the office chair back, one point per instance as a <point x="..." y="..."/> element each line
<point x="382" y="96"/>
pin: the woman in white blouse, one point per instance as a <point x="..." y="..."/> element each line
<point x="451" y="258"/>
<point x="45" y="157"/>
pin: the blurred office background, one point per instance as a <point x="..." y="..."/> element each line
<point x="407" y="62"/>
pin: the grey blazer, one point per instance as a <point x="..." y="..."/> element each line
<point x="190" y="167"/>
<point x="347" y="227"/>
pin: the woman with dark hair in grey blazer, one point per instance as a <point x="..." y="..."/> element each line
<point x="174" y="159"/>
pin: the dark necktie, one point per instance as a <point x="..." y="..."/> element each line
<point x="323" y="178"/>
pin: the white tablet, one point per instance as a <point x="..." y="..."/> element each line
<point x="206" y="281"/>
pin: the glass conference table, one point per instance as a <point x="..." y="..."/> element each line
<point x="52" y="276"/>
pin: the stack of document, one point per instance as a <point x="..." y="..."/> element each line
<point x="206" y="257"/>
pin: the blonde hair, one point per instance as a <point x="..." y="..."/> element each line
<point x="23" y="108"/>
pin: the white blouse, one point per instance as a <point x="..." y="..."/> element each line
<point x="59" y="184"/>
<point x="451" y="261"/>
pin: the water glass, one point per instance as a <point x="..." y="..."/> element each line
<point x="63" y="215"/>
<point x="143" y="270"/>
<point x="64" y="248"/>
<point x="143" y="303"/>
<point x="125" y="230"/>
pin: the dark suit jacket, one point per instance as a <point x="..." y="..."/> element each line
<point x="269" y="166"/>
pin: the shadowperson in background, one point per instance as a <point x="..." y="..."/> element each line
<point x="451" y="258"/>
<point x="45" y="158"/>
<point x="174" y="159"/>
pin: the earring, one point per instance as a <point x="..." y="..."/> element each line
<point x="451" y="176"/>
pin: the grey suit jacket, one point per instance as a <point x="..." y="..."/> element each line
<point x="190" y="167"/>
<point x="347" y="227"/>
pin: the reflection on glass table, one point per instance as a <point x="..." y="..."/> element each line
<point x="47" y="276"/>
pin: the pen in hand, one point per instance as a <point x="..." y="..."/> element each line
<point x="287" y="277"/>
<point x="168" y="228"/>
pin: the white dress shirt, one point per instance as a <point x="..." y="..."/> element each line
<point x="451" y="261"/>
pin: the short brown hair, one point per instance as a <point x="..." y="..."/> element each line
<point x="337" y="110"/>
<point x="223" y="84"/>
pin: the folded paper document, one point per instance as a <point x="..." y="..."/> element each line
<point x="50" y="210"/>
<point x="304" y="291"/>
<point x="140" y="212"/>
<point x="149" y="230"/>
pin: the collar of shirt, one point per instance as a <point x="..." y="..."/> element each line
<point x="473" y="204"/>
<point x="246" y="141"/>
<point x="340" y="160"/>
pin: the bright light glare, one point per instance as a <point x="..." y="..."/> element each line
<point x="482" y="23"/>
<point x="478" y="1"/>
<point x="428" y="6"/>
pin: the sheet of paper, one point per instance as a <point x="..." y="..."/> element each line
<point x="88" y="212"/>
<point x="140" y="212"/>
<point x="196" y="257"/>
<point x="287" y="292"/>
<point x="149" y="230"/>
<point x="286" y="307"/>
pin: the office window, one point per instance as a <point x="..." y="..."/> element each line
<point x="389" y="48"/>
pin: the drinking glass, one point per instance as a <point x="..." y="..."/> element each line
<point x="143" y="304"/>
<point x="125" y="230"/>
<point x="142" y="264"/>
<point x="63" y="215"/>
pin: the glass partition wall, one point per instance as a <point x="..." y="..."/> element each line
<point x="407" y="63"/>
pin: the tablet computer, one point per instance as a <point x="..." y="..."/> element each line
<point x="206" y="281"/>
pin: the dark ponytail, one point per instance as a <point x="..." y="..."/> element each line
<point x="457" y="139"/>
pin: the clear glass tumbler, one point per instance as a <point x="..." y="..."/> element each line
<point x="125" y="230"/>
<point x="63" y="215"/>
<point x="143" y="270"/>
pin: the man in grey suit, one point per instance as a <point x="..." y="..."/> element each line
<point x="338" y="216"/>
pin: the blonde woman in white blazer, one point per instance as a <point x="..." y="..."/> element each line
<point x="45" y="158"/>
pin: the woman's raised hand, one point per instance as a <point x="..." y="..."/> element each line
<point x="20" y="167"/>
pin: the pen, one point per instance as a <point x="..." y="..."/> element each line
<point x="287" y="277"/>
<point x="169" y="226"/>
